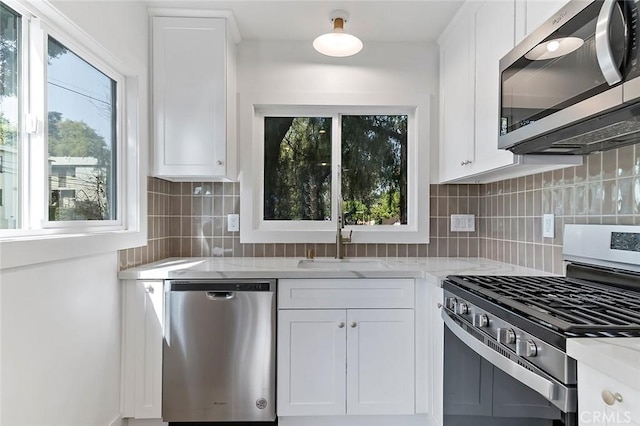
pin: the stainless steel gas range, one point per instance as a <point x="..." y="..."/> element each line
<point x="505" y="336"/>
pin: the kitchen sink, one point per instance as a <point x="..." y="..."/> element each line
<point x="344" y="264"/>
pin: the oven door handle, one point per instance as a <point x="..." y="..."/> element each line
<point x="541" y="385"/>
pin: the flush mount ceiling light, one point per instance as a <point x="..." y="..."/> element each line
<point x="554" y="48"/>
<point x="338" y="43"/>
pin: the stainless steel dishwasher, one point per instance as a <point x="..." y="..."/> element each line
<point x="219" y="351"/>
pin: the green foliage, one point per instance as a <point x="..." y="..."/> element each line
<point x="374" y="175"/>
<point x="69" y="138"/>
<point x="8" y="132"/>
<point x="297" y="168"/>
<point x="297" y="173"/>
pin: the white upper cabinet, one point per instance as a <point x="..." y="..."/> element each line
<point x="456" y="99"/>
<point x="470" y="51"/>
<point x="492" y="42"/>
<point x="194" y="95"/>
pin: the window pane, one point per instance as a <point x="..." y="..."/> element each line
<point x="10" y="106"/>
<point x="297" y="168"/>
<point x="82" y="138"/>
<point x="374" y="169"/>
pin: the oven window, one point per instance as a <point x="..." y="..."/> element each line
<point x="559" y="72"/>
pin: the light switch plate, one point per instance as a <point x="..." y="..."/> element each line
<point x="233" y="222"/>
<point x="463" y="223"/>
<point x="548" y="226"/>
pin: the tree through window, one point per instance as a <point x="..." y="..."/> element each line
<point x="298" y="168"/>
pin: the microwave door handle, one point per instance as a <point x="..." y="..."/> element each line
<point x="541" y="385"/>
<point x="604" y="53"/>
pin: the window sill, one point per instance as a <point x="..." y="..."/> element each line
<point x="30" y="250"/>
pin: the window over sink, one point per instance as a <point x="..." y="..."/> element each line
<point x="310" y="162"/>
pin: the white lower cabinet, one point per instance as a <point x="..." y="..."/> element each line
<point x="435" y="353"/>
<point x="603" y="401"/>
<point x="142" y="349"/>
<point x="334" y="362"/>
<point x="312" y="349"/>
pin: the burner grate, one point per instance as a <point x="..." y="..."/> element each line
<point x="569" y="305"/>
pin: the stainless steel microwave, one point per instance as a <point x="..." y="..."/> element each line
<point x="573" y="85"/>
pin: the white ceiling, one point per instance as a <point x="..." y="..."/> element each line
<point x="391" y="21"/>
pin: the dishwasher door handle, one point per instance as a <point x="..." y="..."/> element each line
<point x="220" y="295"/>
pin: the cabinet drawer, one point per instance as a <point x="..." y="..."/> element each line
<point x="345" y="293"/>
<point x="593" y="409"/>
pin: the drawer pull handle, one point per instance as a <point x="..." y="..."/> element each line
<point x="354" y="324"/>
<point x="340" y="325"/>
<point x="610" y="398"/>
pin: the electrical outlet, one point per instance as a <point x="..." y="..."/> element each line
<point x="233" y="222"/>
<point x="548" y="226"/>
<point x="463" y="223"/>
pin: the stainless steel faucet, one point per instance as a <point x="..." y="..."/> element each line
<point x="340" y="239"/>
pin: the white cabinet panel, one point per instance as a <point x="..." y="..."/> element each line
<point x="191" y="106"/>
<point x="142" y="349"/>
<point x="492" y="42"/>
<point x="311" y="362"/>
<point x="353" y="361"/>
<point x="456" y="100"/>
<point x="436" y="353"/>
<point x="593" y="409"/>
<point x="346" y="293"/>
<point x="380" y="361"/>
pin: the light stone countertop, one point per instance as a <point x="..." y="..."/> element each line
<point x="617" y="357"/>
<point x="432" y="269"/>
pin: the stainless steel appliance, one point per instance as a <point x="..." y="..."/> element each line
<point x="505" y="336"/>
<point x="219" y="351"/>
<point x="572" y="86"/>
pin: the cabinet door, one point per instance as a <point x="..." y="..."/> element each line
<point x="436" y="352"/>
<point x="142" y="349"/>
<point x="380" y="361"/>
<point x="456" y="100"/>
<point x="311" y="362"/>
<point x="189" y="96"/>
<point x="469" y="384"/>
<point x="492" y="42"/>
<point x="594" y="411"/>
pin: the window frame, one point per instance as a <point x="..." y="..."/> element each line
<point x="253" y="109"/>
<point x="37" y="239"/>
<point x="94" y="61"/>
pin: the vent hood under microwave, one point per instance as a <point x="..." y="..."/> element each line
<point x="573" y="85"/>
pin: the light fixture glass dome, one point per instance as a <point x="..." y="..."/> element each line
<point x="338" y="43"/>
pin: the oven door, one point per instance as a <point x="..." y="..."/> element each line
<point x="484" y="387"/>
<point x="569" y="69"/>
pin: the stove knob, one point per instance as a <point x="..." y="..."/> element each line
<point x="462" y="308"/>
<point x="450" y="302"/>
<point x="526" y="348"/>
<point x="480" y="320"/>
<point x="506" y="336"/>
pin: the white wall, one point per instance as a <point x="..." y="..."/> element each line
<point x="380" y="67"/>
<point x="61" y="343"/>
<point x="60" y="322"/>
